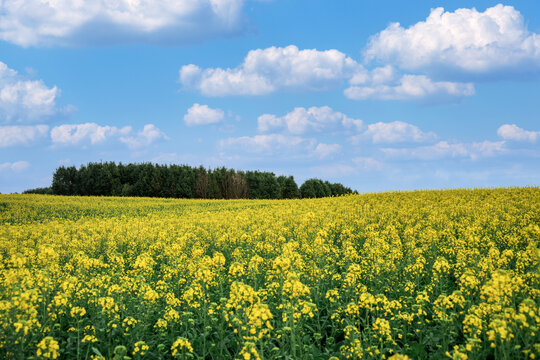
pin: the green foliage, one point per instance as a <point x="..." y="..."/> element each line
<point x="289" y="189"/>
<point x="41" y="191"/>
<point x="315" y="188"/>
<point x="182" y="181"/>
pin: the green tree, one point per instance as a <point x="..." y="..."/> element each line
<point x="289" y="188"/>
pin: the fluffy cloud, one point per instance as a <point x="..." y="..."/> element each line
<point x="147" y="136"/>
<point x="14" y="166"/>
<point x="410" y="87"/>
<point x="15" y="135"/>
<point x="270" y="143"/>
<point x="280" y="144"/>
<point x="443" y="149"/>
<point x="66" y="22"/>
<point x="466" y="40"/>
<point x="325" y="150"/>
<point x="267" y="70"/>
<point x="513" y="132"/>
<point x="486" y="149"/>
<point x="392" y="132"/>
<point x="203" y="115"/>
<point x="367" y="163"/>
<point x="75" y="134"/>
<point x="24" y="100"/>
<point x="302" y="120"/>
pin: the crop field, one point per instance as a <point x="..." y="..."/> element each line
<point x="422" y="275"/>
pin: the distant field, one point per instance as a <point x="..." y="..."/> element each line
<point x="424" y="274"/>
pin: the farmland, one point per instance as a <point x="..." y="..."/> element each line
<point x="422" y="274"/>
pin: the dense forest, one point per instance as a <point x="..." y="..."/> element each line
<point x="182" y="181"/>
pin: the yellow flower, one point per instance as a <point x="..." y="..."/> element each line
<point x="140" y="348"/>
<point x="48" y="348"/>
<point x="89" y="338"/>
<point x="181" y="344"/>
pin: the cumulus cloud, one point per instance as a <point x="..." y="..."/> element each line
<point x="16" y="135"/>
<point x="92" y="133"/>
<point x="486" y="149"/>
<point x="269" y="143"/>
<point x="145" y="137"/>
<point x="76" y="23"/>
<point x="73" y="134"/>
<point x="367" y="163"/>
<point x="392" y="132"/>
<point x="302" y="120"/>
<point x="276" y="68"/>
<point x="513" y="132"/>
<point x="203" y="115"/>
<point x="444" y="149"/>
<point x="325" y="150"/>
<point x="466" y="40"/>
<point x="24" y="100"/>
<point x="14" y="166"/>
<point x="280" y="144"/>
<point x="409" y="87"/>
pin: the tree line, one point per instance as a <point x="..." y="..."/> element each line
<point x="182" y="181"/>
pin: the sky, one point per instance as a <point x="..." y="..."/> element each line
<point x="376" y="95"/>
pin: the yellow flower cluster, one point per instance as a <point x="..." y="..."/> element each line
<point x="47" y="348"/>
<point x="181" y="344"/>
<point x="402" y="275"/>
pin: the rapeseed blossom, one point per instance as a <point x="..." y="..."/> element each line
<point x="405" y="275"/>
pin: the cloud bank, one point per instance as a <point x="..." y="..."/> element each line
<point x="23" y="100"/>
<point x="302" y="120"/>
<point x="94" y="134"/>
<point x="265" y="71"/>
<point x="98" y="22"/>
<point x="17" y="135"/>
<point x="203" y="115"/>
<point x="466" y="41"/>
<point x="513" y="132"/>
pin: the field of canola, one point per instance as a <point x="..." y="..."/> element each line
<point x="422" y="275"/>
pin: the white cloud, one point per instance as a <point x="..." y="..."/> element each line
<point x="76" y="23"/>
<point x="465" y="40"/>
<point x="14" y="166"/>
<point x="486" y="149"/>
<point x="267" y="70"/>
<point x="147" y="136"/>
<point x="23" y="100"/>
<point x="380" y="75"/>
<point x="15" y="135"/>
<point x="440" y="150"/>
<point x="73" y="134"/>
<point x="203" y="115"/>
<point x="325" y="150"/>
<point x="443" y="149"/>
<point x="270" y="143"/>
<point x="290" y="146"/>
<point x="513" y="132"/>
<point x="302" y="120"/>
<point x="367" y="163"/>
<point x="92" y="133"/>
<point x="392" y="132"/>
<point x="409" y="87"/>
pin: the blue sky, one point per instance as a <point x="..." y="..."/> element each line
<point x="377" y="95"/>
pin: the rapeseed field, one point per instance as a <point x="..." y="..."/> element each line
<point x="405" y="275"/>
